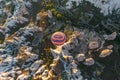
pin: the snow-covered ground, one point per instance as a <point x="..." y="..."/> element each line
<point x="106" y="6"/>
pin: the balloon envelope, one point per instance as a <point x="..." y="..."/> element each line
<point x="58" y="38"/>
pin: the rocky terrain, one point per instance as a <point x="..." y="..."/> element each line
<point x="90" y="52"/>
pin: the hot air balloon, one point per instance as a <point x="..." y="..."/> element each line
<point x="58" y="38"/>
